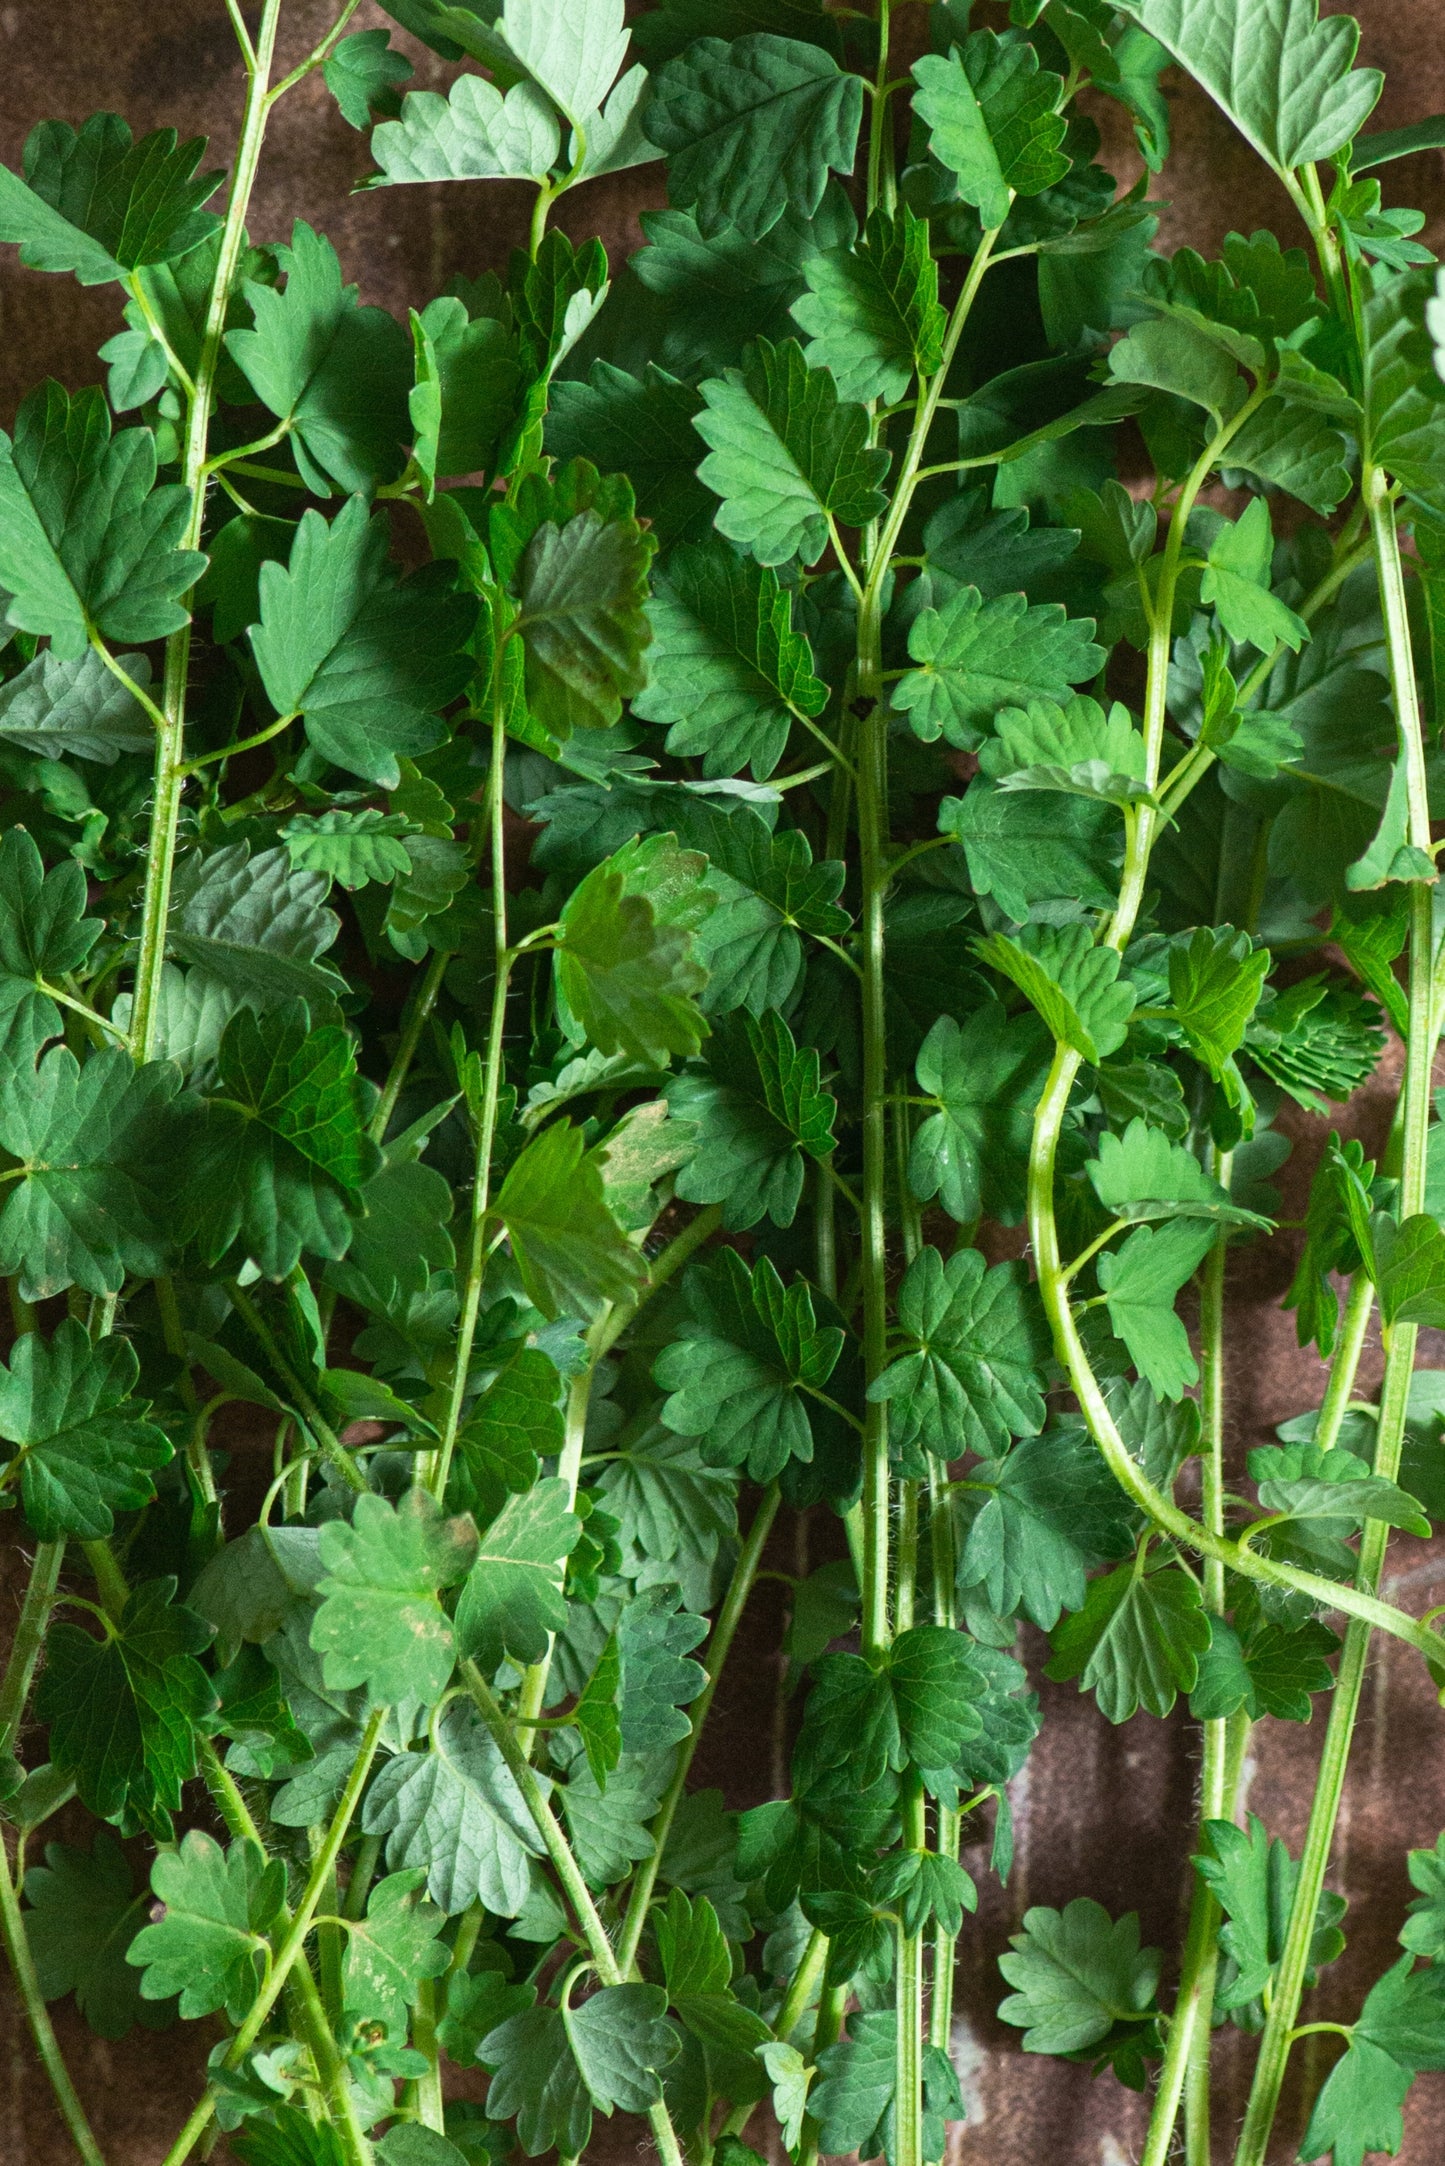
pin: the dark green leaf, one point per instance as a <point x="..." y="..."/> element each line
<point x="1136" y="1642"/>
<point x="761" y="1113"/>
<point x="976" y="1342"/>
<point x="86" y="1449"/>
<point x="1076" y="1972"/>
<point x="96" y="202"/>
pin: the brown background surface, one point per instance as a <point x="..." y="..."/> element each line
<point x="1100" y="1812"/>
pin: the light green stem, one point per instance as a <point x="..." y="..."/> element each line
<point x="439" y="1462"/>
<point x="29" y="1638"/>
<point x="170" y="739"/>
<point x="293" y="1944"/>
<point x="1187" y="2050"/>
<point x="37" y="2015"/>
<point x="569" y="1873"/>
<point x="1399" y="1365"/>
<point x="719" y="1645"/>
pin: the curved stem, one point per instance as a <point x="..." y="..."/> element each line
<point x="170" y="738"/>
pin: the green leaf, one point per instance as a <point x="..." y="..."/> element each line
<point x="284" y="1152"/>
<point x="1076" y="1973"/>
<point x="468" y="376"/>
<point x="915" y="1705"/>
<point x="1271" y="1670"/>
<point x="610" y="1832"/>
<point x="596" y="1717"/>
<point x="1037" y="1522"/>
<point x="96" y="202"/>
<point x="674" y="1513"/>
<point x="1142" y="1175"/>
<point x="365" y="661"/>
<point x="1170" y="355"/>
<point x="925" y="1888"/>
<point x="853" y="2100"/>
<point x="1283" y="75"/>
<point x="1073" y="984"/>
<point x="76" y="709"/>
<point x="512" y="1601"/>
<point x="1358" y="2109"/>
<point x="335" y="375"/>
<point x="976" y="1341"/>
<point x="626" y="972"/>
<point x="1024" y="850"/>
<point x="456" y="1813"/>
<point x="621" y="2041"/>
<point x="1236" y="581"/>
<point x="1401" y="2030"/>
<point x="516" y="1423"/>
<point x="362" y="73"/>
<point x="252" y="931"/>
<point x="640" y="426"/>
<point x="87" y="540"/>
<point x="391" y="1951"/>
<point x="1136" y="1642"/>
<point x="86" y="1209"/>
<point x="122" y="1709"/>
<point x="207" y="1946"/>
<point x="474" y="133"/>
<point x="1076" y="748"/>
<point x="1409" y="1270"/>
<point x="986" y="1077"/>
<point x="82" y="1917"/>
<point x="976" y="656"/>
<point x="381" y="1623"/>
<point x="581" y="588"/>
<point x="536" y="2079"/>
<point x="44" y="932"/>
<point x="352" y="848"/>
<point x="654" y="1639"/>
<point x="1423" y="1932"/>
<point x="786" y="455"/>
<point x="761" y="1112"/>
<point x="790" y="2077"/>
<point x="1141" y="1281"/>
<point x="993" y="121"/>
<point x="1254" y="1881"/>
<point x="572" y="1254"/>
<point x="770" y="893"/>
<point x="1307" y="1483"/>
<point x="730" y="675"/>
<point x="872" y="313"/>
<point x="1317" y="1037"/>
<point x="86" y="1450"/>
<point x="740" y="1374"/>
<point x="752" y="128"/>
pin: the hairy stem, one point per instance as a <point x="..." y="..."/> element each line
<point x="719" y="1645"/>
<point x="440" y="1461"/>
<point x="293" y="1944"/>
<point x="1187" y="2051"/>
<point x="1399" y="1365"/>
<point x="37" y="2016"/>
<point x="170" y="739"/>
<point x="569" y="1873"/>
<point x="29" y="1638"/>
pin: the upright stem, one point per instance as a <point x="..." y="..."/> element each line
<point x="729" y="1617"/>
<point x="170" y="739"/>
<point x="606" y="1964"/>
<point x="1186" y="2057"/>
<point x="1399" y="1359"/>
<point x="476" y="1264"/>
<point x="37" y="2015"/>
<point x="29" y="1638"/>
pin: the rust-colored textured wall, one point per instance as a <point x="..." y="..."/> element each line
<point x="1101" y="1812"/>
